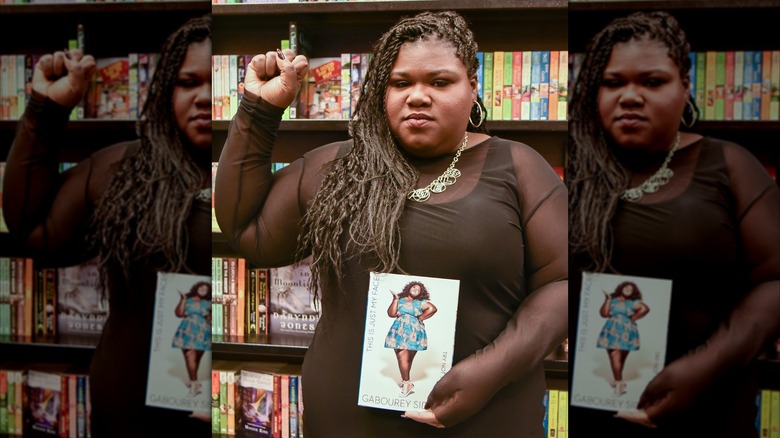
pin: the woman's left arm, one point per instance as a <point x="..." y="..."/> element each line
<point x="539" y="325"/>
<point x="755" y="321"/>
<point x="428" y="310"/>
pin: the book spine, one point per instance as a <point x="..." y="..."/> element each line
<point x="498" y="85"/>
<point x="729" y="86"/>
<point x="544" y="86"/>
<point x="563" y="85"/>
<point x="552" y="113"/>
<point x="241" y="297"/>
<point x="480" y="75"/>
<point x="517" y="84"/>
<point x="293" y="406"/>
<point x="552" y="418"/>
<point x="506" y="98"/>
<point x="774" y="106"/>
<point x="755" y="113"/>
<point x="739" y="90"/>
<point x="720" y="85"/>
<point x="346" y="85"/>
<point x="3" y="402"/>
<point x="766" y="84"/>
<point x="215" y="402"/>
<point x="711" y="75"/>
<point x="487" y="91"/>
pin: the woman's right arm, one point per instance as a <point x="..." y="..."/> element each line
<point x="43" y="208"/>
<point x="258" y="211"/>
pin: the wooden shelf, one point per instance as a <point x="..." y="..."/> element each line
<point x="577" y="6"/>
<point x="384" y="6"/>
<point x="341" y="125"/>
<point x="103" y="8"/>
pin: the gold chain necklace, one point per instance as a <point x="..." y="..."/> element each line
<point x="440" y="184"/>
<point x="656" y="181"/>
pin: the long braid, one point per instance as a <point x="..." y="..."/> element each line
<point x="596" y="178"/>
<point x="363" y="196"/>
<point x="148" y="199"/>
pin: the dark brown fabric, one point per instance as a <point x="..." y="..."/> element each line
<point x="500" y="230"/>
<point x="714" y="232"/>
<point x="54" y="210"/>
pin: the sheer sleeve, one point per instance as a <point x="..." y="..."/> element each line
<point x="757" y="200"/>
<point x="537" y="327"/>
<point x="47" y="209"/>
<point x="258" y="211"/>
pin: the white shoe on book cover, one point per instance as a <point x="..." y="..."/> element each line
<point x="406" y="388"/>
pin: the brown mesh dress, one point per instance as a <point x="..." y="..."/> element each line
<point x="500" y="230"/>
<point x="714" y="230"/>
<point x="54" y="210"/>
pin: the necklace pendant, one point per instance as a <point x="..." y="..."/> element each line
<point x="632" y="195"/>
<point x="419" y="195"/>
<point x="439" y="186"/>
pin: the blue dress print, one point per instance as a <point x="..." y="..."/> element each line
<point x="408" y="332"/>
<point x="620" y="332"/>
<point x="194" y="332"/>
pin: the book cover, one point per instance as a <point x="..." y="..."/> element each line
<point x="324" y="87"/>
<point x="182" y="327"/>
<point x="82" y="304"/>
<point x="293" y="309"/>
<point x="421" y="331"/>
<point x="619" y="315"/>
<point x="44" y="391"/>
<point x="256" y="398"/>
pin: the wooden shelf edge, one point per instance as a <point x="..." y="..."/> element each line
<point x="588" y="6"/>
<point x="102" y="7"/>
<point x="384" y="6"/>
<point x="341" y="125"/>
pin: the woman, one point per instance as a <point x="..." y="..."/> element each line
<point x="648" y="198"/>
<point x="620" y="335"/>
<point x="141" y="206"/>
<point x="193" y="335"/>
<point x="368" y="204"/>
<point x="407" y="335"/>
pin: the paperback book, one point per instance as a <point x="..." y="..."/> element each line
<point x="424" y="311"/>
<point x="82" y="302"/>
<point x="182" y="326"/>
<point x="293" y="309"/>
<point x="620" y="315"/>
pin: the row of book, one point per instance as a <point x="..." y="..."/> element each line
<point x="118" y="89"/>
<point x="518" y="85"/>
<point x="768" y="417"/>
<point x="249" y="301"/>
<point x="730" y="85"/>
<point x="256" y="399"/>
<point x="219" y="2"/>
<point x="556" y="413"/>
<point x="44" y="401"/>
<point x="51" y="303"/>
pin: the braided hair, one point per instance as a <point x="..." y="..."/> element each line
<point x="363" y="196"/>
<point x="596" y="178"/>
<point x="156" y="185"/>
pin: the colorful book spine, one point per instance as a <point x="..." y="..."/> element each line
<point x="536" y="76"/>
<point x="487" y="91"/>
<point x="506" y="97"/>
<point x="552" y="112"/>
<point x="739" y="88"/>
<point x="498" y="85"/>
<point x="544" y="86"/>
<point x="563" y="85"/>
<point x="774" y="106"/>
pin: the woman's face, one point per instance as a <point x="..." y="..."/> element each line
<point x="627" y="290"/>
<point x="414" y="291"/>
<point x="203" y="290"/>
<point x="192" y="95"/>
<point x="642" y="96"/>
<point x="429" y="98"/>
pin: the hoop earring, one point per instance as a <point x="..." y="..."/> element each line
<point x="481" y="116"/>
<point x="694" y="116"/>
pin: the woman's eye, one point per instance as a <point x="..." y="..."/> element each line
<point x="440" y="83"/>
<point x="399" y="84"/>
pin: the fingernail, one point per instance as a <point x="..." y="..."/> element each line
<point x="67" y="54"/>
<point x="281" y="55"/>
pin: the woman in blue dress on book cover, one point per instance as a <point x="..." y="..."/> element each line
<point x="407" y="335"/>
<point x="193" y="335"/>
<point x="620" y="334"/>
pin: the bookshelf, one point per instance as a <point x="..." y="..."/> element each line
<point x="351" y="27"/>
<point x="749" y="25"/>
<point x="709" y="25"/>
<point x="111" y="29"/>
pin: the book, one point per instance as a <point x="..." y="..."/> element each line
<point x="593" y="384"/>
<point x="292" y="307"/>
<point x="169" y="385"/>
<point x="381" y="384"/>
<point x="82" y="304"/>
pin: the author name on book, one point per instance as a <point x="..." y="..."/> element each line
<point x="181" y="402"/>
<point x="393" y="402"/>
